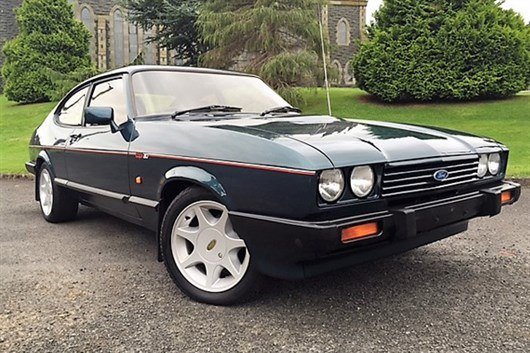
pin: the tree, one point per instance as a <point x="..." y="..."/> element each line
<point x="50" y="42"/>
<point x="444" y="50"/>
<point x="175" y="23"/>
<point x="276" y="39"/>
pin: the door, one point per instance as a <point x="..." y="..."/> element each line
<point x="67" y="118"/>
<point x="97" y="159"/>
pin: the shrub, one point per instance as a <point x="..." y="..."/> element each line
<point x="50" y="39"/>
<point x="444" y="50"/>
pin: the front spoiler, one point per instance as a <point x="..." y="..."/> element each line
<point x="293" y="249"/>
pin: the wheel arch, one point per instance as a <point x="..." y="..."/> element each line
<point x="180" y="178"/>
<point x="42" y="158"/>
<point x="185" y="176"/>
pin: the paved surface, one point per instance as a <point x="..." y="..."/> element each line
<point x="94" y="285"/>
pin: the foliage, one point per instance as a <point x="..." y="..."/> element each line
<point x="49" y="39"/>
<point x="444" y="50"/>
<point x="175" y="23"/>
<point x="276" y="39"/>
<point x="63" y="83"/>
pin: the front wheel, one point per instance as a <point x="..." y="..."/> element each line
<point x="57" y="204"/>
<point x="202" y="252"/>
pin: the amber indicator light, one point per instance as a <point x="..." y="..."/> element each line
<point x="138" y="180"/>
<point x="506" y="197"/>
<point x="360" y="232"/>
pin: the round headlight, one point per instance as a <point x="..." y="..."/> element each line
<point x="494" y="163"/>
<point x="362" y="180"/>
<point x="331" y="184"/>
<point x="482" y="165"/>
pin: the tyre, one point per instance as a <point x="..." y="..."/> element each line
<point x="203" y="254"/>
<point x="56" y="203"/>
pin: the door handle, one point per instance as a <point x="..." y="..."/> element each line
<point x="74" y="137"/>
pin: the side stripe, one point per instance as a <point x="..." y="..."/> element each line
<point x="188" y="159"/>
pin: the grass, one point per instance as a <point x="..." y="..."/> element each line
<point x="17" y="123"/>
<point x="505" y="120"/>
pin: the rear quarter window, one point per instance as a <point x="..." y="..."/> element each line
<point x="71" y="112"/>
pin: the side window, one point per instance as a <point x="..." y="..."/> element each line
<point x="111" y="94"/>
<point x="72" y="110"/>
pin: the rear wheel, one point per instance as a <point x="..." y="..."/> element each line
<point x="57" y="204"/>
<point x="206" y="258"/>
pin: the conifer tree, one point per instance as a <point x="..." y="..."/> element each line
<point x="276" y="39"/>
<point x="175" y="21"/>
<point x="51" y="42"/>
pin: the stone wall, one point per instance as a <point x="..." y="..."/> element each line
<point x="346" y="22"/>
<point x="116" y="42"/>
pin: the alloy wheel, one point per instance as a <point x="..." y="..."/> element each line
<point x="206" y="249"/>
<point x="46" y="192"/>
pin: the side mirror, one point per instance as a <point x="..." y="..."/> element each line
<point x="99" y="115"/>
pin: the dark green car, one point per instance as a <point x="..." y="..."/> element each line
<point x="237" y="183"/>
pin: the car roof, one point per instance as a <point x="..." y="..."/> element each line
<point x="142" y="68"/>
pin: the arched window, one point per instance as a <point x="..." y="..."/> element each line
<point x="86" y="18"/>
<point x="349" y="79"/>
<point x="118" y="38"/>
<point x="149" y="49"/>
<point x="338" y="68"/>
<point x="343" y="32"/>
<point x="133" y="42"/>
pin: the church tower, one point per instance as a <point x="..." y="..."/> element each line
<point x="346" y="23"/>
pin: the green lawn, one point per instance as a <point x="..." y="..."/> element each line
<point x="505" y="120"/>
<point x="17" y="123"/>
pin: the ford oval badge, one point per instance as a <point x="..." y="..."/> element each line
<point x="441" y="175"/>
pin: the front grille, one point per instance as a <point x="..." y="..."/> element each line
<point x="405" y="178"/>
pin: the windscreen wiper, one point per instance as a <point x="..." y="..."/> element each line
<point x="208" y="109"/>
<point x="286" y="109"/>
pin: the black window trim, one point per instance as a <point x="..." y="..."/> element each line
<point x="93" y="85"/>
<point x="60" y="106"/>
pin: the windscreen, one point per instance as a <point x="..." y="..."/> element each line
<point x="165" y="92"/>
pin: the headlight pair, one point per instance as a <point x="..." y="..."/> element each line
<point x="331" y="183"/>
<point x="489" y="163"/>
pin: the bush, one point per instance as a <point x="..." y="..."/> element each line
<point x="50" y="40"/>
<point x="444" y="50"/>
<point x="63" y="83"/>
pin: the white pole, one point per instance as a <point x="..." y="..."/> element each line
<point x="326" y="82"/>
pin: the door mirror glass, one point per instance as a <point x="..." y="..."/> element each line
<point x="99" y="115"/>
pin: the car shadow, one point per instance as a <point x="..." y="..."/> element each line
<point x="435" y="272"/>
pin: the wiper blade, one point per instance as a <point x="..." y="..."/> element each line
<point x="208" y="109"/>
<point x="286" y="109"/>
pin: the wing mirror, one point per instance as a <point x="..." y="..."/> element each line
<point x="102" y="116"/>
<point x="99" y="115"/>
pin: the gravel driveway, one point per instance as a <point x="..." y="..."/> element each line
<point x="95" y="285"/>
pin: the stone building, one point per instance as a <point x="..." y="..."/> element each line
<point x="345" y="22"/>
<point x="8" y="26"/>
<point x="116" y="42"/>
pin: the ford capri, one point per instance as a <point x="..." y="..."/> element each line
<point x="237" y="184"/>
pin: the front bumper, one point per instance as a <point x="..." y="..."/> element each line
<point x="294" y="249"/>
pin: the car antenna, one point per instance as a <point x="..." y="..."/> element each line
<point x="326" y="81"/>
